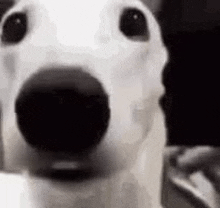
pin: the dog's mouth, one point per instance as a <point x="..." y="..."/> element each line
<point x="67" y="170"/>
<point x="63" y="170"/>
<point x="74" y="167"/>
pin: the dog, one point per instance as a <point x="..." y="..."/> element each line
<point x="80" y="85"/>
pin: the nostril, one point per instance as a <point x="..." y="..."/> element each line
<point x="62" y="110"/>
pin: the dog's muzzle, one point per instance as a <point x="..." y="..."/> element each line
<point x="62" y="110"/>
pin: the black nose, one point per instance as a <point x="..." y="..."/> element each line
<point x="62" y="110"/>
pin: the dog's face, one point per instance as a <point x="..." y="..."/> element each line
<point x="61" y="58"/>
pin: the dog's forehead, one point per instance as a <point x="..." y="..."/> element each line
<point x="76" y="7"/>
<point x="93" y="14"/>
<point x="79" y="3"/>
<point x="81" y="17"/>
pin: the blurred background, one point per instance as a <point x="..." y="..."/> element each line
<point x="191" y="30"/>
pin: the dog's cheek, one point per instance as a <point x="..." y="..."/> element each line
<point x="9" y="65"/>
<point x="7" y="74"/>
<point x="143" y="114"/>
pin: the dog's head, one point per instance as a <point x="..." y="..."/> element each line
<point x="82" y="77"/>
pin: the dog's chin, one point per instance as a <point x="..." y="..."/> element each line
<point x="67" y="171"/>
<point x="64" y="166"/>
<point x="97" y="162"/>
<point x="68" y="166"/>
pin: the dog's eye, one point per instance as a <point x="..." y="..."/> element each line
<point x="133" y="24"/>
<point x="14" y="28"/>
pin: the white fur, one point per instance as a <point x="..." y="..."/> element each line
<point x="86" y="33"/>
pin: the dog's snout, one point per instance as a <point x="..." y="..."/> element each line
<point x="62" y="110"/>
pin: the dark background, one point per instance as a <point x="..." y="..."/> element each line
<point x="192" y="105"/>
<point x="191" y="30"/>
